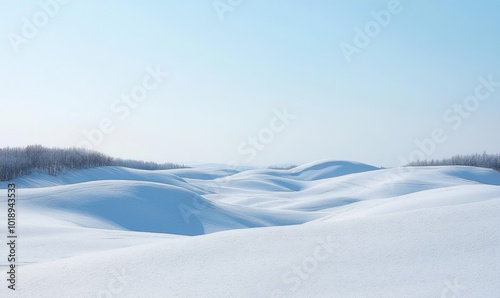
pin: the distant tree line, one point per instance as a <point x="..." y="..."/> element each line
<point x="282" y="167"/>
<point x="145" y="165"/>
<point x="16" y="162"/>
<point x="484" y="160"/>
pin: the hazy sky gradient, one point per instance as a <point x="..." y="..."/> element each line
<point x="227" y="77"/>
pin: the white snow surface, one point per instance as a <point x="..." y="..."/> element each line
<point x="323" y="229"/>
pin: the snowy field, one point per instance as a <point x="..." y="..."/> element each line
<point x="324" y="229"/>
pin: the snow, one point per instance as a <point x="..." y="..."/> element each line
<point x="323" y="229"/>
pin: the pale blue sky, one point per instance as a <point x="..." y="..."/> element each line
<point x="227" y="77"/>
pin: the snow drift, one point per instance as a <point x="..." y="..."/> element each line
<point x="324" y="229"/>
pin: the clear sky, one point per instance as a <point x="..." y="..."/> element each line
<point x="233" y="70"/>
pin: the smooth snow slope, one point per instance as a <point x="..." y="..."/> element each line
<point x="414" y="254"/>
<point x="324" y="229"/>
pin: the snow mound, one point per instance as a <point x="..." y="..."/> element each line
<point x="329" y="169"/>
<point x="100" y="173"/>
<point x="148" y="207"/>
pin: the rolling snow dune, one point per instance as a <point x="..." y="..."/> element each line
<point x="114" y="173"/>
<point x="323" y="229"/>
<point x="313" y="171"/>
<point x="329" y="169"/>
<point x="149" y="207"/>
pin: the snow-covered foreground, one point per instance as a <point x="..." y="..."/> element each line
<point x="325" y="229"/>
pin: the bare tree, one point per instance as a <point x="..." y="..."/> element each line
<point x="484" y="160"/>
<point x="16" y="162"/>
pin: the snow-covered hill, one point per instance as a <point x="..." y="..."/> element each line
<point x="324" y="229"/>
